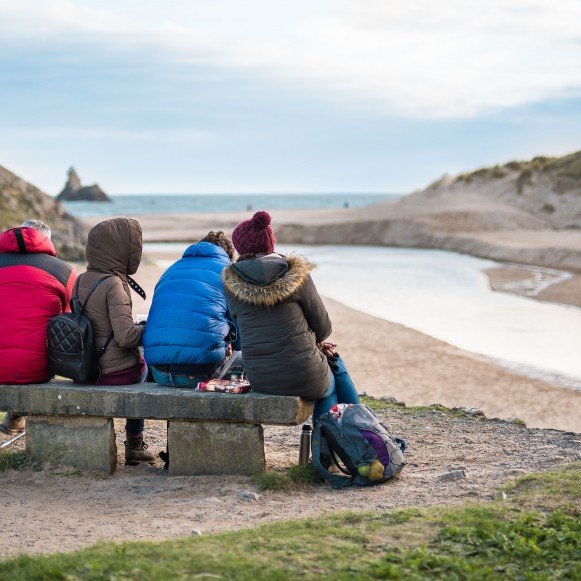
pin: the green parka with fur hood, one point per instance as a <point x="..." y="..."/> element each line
<point x="113" y="248"/>
<point x="281" y="318"/>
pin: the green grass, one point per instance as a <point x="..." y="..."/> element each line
<point x="380" y="405"/>
<point x="290" y="478"/>
<point x="12" y="460"/>
<point x="550" y="490"/>
<point x="516" y="538"/>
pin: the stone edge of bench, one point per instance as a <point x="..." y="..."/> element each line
<point x="152" y="402"/>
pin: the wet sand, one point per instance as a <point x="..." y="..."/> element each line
<point x="524" y="281"/>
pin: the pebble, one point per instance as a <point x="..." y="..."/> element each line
<point x="453" y="475"/>
<point x="248" y="496"/>
<point x="196" y="533"/>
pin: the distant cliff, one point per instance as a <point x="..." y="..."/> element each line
<point x="20" y="200"/>
<point x="74" y="191"/>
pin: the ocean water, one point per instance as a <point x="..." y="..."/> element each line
<point x="446" y="295"/>
<point x="135" y="204"/>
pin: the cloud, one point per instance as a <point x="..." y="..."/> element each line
<point x="445" y="60"/>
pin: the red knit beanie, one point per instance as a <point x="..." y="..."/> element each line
<point x="254" y="236"/>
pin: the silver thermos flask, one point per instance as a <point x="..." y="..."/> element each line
<point x="305" y="446"/>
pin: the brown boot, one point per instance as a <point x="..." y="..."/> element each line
<point x="12" y="424"/>
<point x="136" y="453"/>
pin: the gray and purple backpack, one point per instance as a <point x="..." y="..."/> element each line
<point x="354" y="439"/>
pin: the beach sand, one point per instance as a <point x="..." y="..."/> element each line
<point x="386" y="358"/>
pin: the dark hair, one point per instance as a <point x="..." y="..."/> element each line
<point x="220" y="239"/>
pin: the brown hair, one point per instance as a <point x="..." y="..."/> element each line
<point x="220" y="239"/>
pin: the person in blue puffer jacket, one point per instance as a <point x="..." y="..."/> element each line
<point x="189" y="333"/>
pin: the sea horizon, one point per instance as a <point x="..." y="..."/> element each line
<point x="134" y="204"/>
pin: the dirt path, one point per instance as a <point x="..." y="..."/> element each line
<point x="50" y="511"/>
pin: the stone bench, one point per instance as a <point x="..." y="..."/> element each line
<point x="208" y="433"/>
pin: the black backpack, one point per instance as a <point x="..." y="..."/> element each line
<point x="70" y="343"/>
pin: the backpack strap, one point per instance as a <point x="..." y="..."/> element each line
<point x="336" y="480"/>
<point x="101" y="351"/>
<point x="20" y="240"/>
<point x="82" y="309"/>
<point x="76" y="292"/>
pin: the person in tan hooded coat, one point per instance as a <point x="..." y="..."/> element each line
<point x="113" y="253"/>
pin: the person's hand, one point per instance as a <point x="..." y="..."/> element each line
<point x="229" y="350"/>
<point x="328" y="348"/>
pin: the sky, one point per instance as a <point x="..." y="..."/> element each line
<point x="275" y="96"/>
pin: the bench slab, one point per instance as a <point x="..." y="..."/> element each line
<point x="150" y="401"/>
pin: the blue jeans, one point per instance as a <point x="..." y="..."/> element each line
<point x="341" y="390"/>
<point x="168" y="379"/>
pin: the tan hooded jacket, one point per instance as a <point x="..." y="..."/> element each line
<point x="113" y="247"/>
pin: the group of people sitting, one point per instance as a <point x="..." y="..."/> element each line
<point x="207" y="307"/>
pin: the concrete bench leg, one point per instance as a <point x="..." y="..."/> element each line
<point x="214" y="448"/>
<point x="86" y="443"/>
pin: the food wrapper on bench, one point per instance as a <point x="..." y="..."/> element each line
<point x="224" y="386"/>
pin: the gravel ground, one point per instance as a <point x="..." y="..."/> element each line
<point x="55" y="509"/>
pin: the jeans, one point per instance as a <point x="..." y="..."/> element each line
<point x="168" y="379"/>
<point x="341" y="390"/>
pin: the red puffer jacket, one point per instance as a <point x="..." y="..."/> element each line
<point x="34" y="287"/>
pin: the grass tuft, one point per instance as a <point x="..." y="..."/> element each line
<point x="305" y="475"/>
<point x="381" y="405"/>
<point x="12" y="460"/>
<point x="292" y="477"/>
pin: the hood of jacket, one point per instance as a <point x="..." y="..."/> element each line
<point x="267" y="280"/>
<point x="205" y="249"/>
<point x="26" y="241"/>
<point x="115" y="246"/>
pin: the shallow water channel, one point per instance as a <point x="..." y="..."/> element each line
<point x="446" y="295"/>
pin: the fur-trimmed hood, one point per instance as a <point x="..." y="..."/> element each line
<point x="266" y="281"/>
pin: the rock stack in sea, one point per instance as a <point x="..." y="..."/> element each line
<point x="20" y="200"/>
<point x="74" y="191"/>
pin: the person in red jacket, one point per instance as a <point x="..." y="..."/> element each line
<point x="34" y="287"/>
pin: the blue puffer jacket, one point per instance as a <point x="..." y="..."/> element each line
<point x="188" y="321"/>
